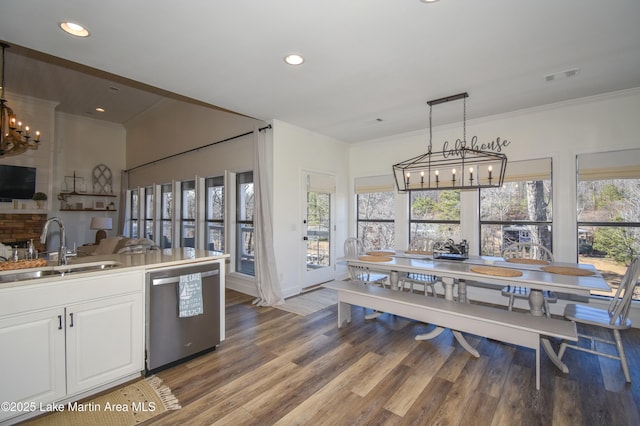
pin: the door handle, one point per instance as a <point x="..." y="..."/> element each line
<point x="59" y="322"/>
<point x="176" y="279"/>
<point x="305" y="238"/>
<point x="71" y="319"/>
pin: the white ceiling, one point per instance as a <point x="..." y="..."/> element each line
<point x="365" y="59"/>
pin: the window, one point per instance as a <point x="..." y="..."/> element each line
<point x="519" y="211"/>
<point x="214" y="215"/>
<point x="166" y="215"/>
<point x="244" y="223"/>
<point x="188" y="213"/>
<point x="148" y="212"/>
<point x="608" y="197"/>
<point x="133" y="213"/>
<point x="434" y="215"/>
<point x="375" y="203"/>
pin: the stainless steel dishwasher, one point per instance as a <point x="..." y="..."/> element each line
<point x="170" y="338"/>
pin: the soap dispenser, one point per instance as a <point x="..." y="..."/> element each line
<point x="32" y="253"/>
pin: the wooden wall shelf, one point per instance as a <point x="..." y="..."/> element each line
<point x="87" y="194"/>
<point x="88" y="210"/>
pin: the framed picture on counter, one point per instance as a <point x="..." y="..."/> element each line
<point x="99" y="205"/>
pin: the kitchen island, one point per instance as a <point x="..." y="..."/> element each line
<point x="67" y="332"/>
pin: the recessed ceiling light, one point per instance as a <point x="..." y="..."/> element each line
<point x="74" y="29"/>
<point x="294" y="59"/>
<point x="428" y="1"/>
<point x="100" y="109"/>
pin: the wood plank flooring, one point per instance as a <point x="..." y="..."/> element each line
<point x="278" y="368"/>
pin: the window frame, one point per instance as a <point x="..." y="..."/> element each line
<point x="209" y="222"/>
<point x="521" y="179"/>
<point x="242" y="224"/>
<point x="187" y="186"/>
<point x="413" y="234"/>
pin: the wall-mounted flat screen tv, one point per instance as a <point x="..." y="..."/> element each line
<point x="17" y="183"/>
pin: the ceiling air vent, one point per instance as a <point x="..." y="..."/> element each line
<point x="561" y="75"/>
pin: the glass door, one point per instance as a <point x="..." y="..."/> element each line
<point x="318" y="245"/>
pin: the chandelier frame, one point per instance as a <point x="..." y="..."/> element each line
<point x="460" y="168"/>
<point x="14" y="138"/>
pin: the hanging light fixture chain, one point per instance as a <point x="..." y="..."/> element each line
<point x="430" y="130"/>
<point x="464" y="122"/>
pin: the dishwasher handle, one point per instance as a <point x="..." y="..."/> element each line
<point x="176" y="279"/>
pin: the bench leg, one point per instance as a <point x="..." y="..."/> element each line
<point x="344" y="314"/>
<point x="538" y="368"/>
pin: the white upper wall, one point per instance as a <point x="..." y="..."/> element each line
<point x="296" y="151"/>
<point x="84" y="143"/>
<point x="171" y="127"/>
<point x="560" y="131"/>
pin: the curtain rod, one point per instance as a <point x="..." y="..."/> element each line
<point x="260" y="129"/>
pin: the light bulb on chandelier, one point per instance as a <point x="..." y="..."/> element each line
<point x="14" y="137"/>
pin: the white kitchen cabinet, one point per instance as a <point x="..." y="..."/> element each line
<point x="66" y="337"/>
<point x="32" y="361"/>
<point x="104" y="341"/>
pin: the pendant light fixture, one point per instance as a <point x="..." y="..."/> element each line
<point x="457" y="168"/>
<point x="15" y="138"/>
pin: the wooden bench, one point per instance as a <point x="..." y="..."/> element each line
<point x="499" y="324"/>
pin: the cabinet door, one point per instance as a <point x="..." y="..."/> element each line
<point x="32" y="359"/>
<point x="104" y="341"/>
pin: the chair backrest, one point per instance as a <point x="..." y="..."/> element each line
<point x="353" y="247"/>
<point x="527" y="251"/>
<point x="619" y="306"/>
<point x="422" y="244"/>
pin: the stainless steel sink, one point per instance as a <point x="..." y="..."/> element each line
<point x="27" y="275"/>
<point x="57" y="271"/>
<point x="87" y="267"/>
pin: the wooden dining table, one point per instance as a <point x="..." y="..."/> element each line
<point x="483" y="269"/>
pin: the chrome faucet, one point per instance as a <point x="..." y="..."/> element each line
<point x="62" y="251"/>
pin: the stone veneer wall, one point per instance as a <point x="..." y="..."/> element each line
<point x="18" y="228"/>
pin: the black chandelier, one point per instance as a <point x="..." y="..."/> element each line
<point x="459" y="168"/>
<point x="15" y="138"/>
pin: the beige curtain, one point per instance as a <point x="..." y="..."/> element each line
<point x="269" y="292"/>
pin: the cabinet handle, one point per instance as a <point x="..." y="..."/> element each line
<point x="59" y="322"/>
<point x="71" y="318"/>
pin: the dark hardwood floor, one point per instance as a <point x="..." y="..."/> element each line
<point x="280" y="368"/>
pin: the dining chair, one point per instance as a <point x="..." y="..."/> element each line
<point x="614" y="318"/>
<point x="422" y="245"/>
<point x="525" y="252"/>
<point x="353" y="248"/>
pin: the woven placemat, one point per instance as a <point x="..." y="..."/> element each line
<point x="376" y="258"/>
<point x="425" y="252"/>
<point x="495" y="271"/>
<point x="568" y="270"/>
<point x="527" y="261"/>
<point x="22" y="264"/>
<point x="381" y="253"/>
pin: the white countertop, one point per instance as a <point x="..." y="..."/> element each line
<point x="153" y="259"/>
